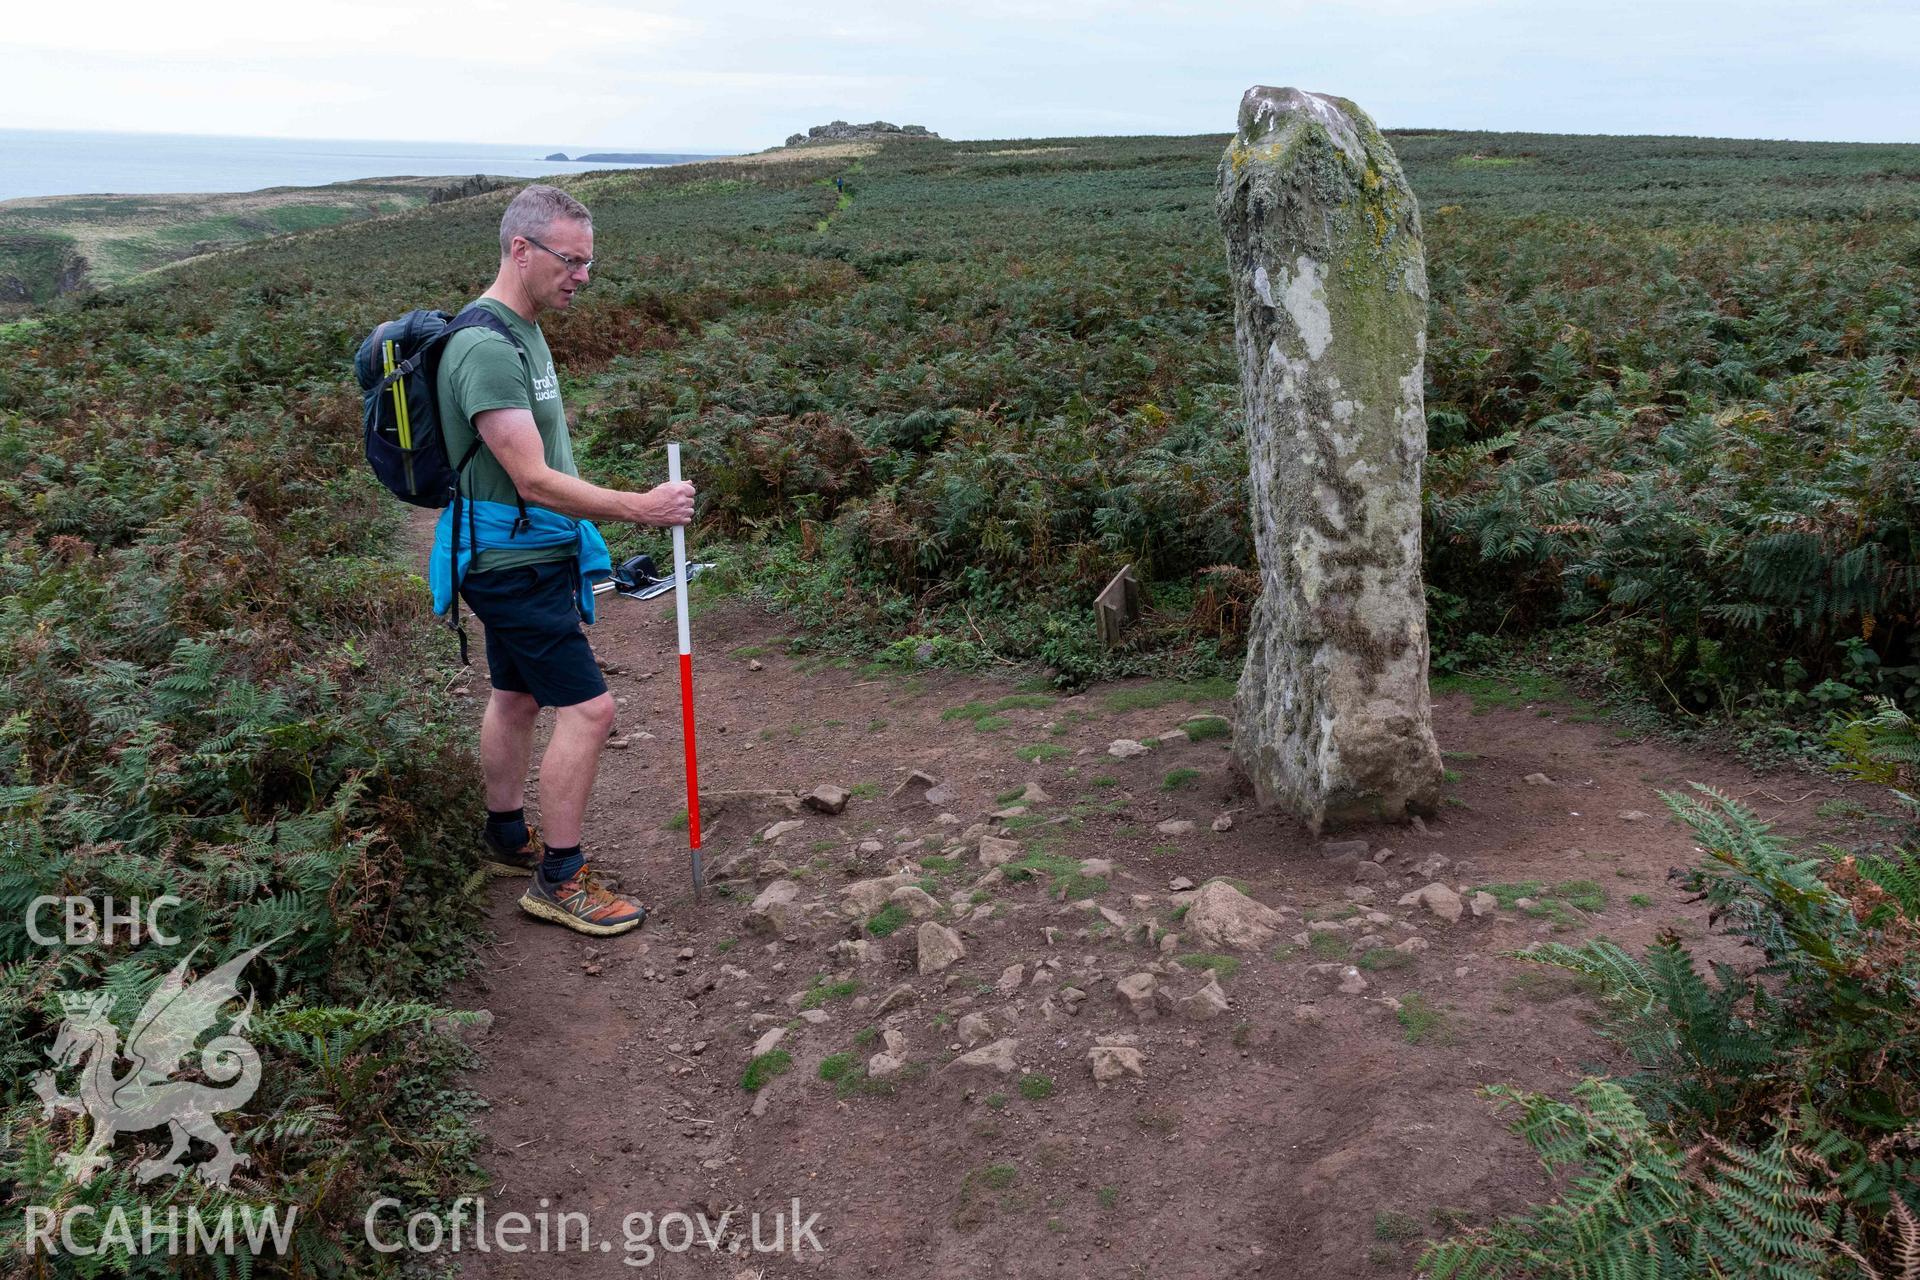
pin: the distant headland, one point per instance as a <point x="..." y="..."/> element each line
<point x="631" y="157"/>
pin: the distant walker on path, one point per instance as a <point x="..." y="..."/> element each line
<point x="526" y="520"/>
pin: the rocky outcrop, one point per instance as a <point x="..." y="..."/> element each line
<point x="876" y="131"/>
<point x="47" y="268"/>
<point x="478" y="185"/>
<point x="1331" y="718"/>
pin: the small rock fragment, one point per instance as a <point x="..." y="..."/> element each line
<point x="995" y="850"/>
<point x="1141" y="994"/>
<point x="938" y="947"/>
<point x="827" y="798"/>
<point x="1207" y="1002"/>
<point x="774" y="910"/>
<point x="915" y="787"/>
<point x="919" y="903"/>
<point x="974" y="1029"/>
<point x="1221" y="916"/>
<point x="1342" y="977"/>
<point x="1112" y="1062"/>
<point x="993" y="1059"/>
<point x="1437" y="898"/>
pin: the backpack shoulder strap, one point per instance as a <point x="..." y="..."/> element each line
<point x="476" y="316"/>
<point x="479" y="317"/>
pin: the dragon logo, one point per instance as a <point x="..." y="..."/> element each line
<point x="146" y="1096"/>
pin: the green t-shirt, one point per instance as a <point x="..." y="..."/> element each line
<point x="479" y="371"/>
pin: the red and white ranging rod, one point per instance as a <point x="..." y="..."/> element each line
<point x="686" y="678"/>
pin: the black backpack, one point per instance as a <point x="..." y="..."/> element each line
<point x="397" y="368"/>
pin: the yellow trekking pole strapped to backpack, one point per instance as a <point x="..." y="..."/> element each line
<point x="400" y="407"/>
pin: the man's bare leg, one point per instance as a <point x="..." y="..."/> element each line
<point x="564" y="890"/>
<point x="506" y="744"/>
<point x="567" y="769"/>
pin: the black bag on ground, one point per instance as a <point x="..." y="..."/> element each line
<point x="396" y="367"/>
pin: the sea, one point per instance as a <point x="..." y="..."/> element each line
<point x="36" y="162"/>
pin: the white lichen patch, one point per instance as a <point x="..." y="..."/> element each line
<point x="1304" y="296"/>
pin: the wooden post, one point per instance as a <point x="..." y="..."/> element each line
<point x="1117" y="604"/>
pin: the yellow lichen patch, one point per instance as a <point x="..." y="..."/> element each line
<point x="1380" y="223"/>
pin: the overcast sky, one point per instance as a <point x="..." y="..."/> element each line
<point x="732" y="76"/>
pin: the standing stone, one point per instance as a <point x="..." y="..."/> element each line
<point x="1331" y="719"/>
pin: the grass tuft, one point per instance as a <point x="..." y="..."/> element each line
<point x="775" y="1062"/>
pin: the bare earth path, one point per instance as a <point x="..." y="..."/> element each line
<point x="1304" y="1132"/>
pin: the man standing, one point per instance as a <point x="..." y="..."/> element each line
<point x="529" y="596"/>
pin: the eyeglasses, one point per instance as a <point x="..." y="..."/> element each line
<point x="571" y="263"/>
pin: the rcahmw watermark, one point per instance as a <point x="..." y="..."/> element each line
<point x="643" y="1236"/>
<point x="83" y="1230"/>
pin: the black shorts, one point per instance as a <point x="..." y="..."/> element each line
<point x="534" y="641"/>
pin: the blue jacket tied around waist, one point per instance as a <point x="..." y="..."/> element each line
<point x="492" y="526"/>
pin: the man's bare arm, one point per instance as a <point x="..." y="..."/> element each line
<point x="515" y="442"/>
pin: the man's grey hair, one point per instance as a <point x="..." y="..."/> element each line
<point x="534" y="210"/>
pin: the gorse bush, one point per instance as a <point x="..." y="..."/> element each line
<point x="1774" y="1126"/>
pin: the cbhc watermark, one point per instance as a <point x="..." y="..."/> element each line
<point x="84" y="924"/>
